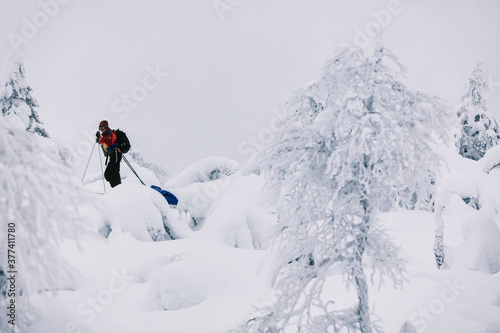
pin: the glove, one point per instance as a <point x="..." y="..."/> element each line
<point x="111" y="148"/>
<point x="97" y="136"/>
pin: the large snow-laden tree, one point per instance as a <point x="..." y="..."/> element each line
<point x="348" y="142"/>
<point x="478" y="131"/>
<point x="16" y="97"/>
<point x="40" y="204"/>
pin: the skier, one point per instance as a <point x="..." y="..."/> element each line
<point x="108" y="140"/>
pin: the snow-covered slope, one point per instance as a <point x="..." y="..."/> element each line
<point x="135" y="278"/>
<point x="220" y="267"/>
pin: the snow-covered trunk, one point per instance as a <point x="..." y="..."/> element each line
<point x="438" y="237"/>
<point x="362" y="291"/>
<point x="359" y="273"/>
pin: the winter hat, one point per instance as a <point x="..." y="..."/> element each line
<point x="104" y="124"/>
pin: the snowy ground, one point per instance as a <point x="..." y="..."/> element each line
<point x="219" y="267"/>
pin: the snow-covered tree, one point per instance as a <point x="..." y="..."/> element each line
<point x="40" y="204"/>
<point x="157" y="169"/>
<point x="16" y="97"/>
<point x="478" y="131"/>
<point x="349" y="140"/>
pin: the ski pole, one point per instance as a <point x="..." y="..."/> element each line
<point x="130" y="166"/>
<point x="85" y="172"/>
<point x="102" y="172"/>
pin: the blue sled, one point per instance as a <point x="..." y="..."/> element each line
<point x="171" y="199"/>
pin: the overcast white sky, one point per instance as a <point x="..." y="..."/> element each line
<point x="228" y="71"/>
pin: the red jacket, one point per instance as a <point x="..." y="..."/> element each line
<point x="108" y="139"/>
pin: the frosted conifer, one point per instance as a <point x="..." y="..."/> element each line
<point x="16" y="98"/>
<point x="478" y="131"/>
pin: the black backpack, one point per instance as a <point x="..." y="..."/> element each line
<point x="122" y="141"/>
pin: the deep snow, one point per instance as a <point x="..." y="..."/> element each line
<point x="220" y="266"/>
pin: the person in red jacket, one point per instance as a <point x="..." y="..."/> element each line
<point x="107" y="139"/>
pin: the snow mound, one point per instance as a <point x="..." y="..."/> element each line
<point x="144" y="213"/>
<point x="471" y="200"/>
<point x="200" y="276"/>
<point x="490" y="291"/>
<point x="175" y="292"/>
<point x="229" y="210"/>
<point x="490" y="159"/>
<point x="207" y="169"/>
<point x="463" y="298"/>
<point x="237" y="219"/>
<point x="198" y="198"/>
<point x="480" y="249"/>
